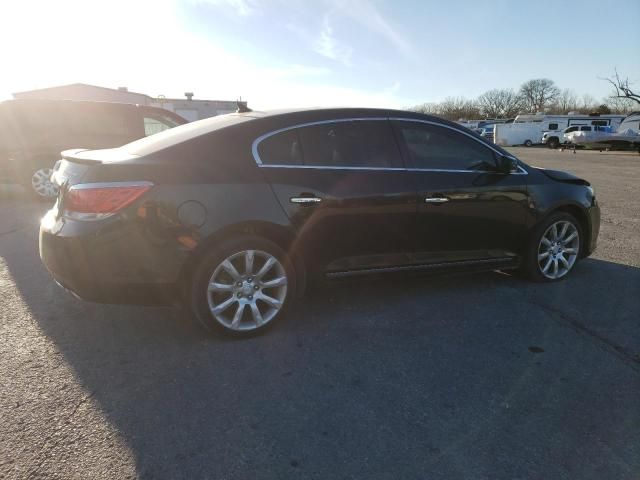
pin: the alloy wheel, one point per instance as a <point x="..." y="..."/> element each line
<point x="247" y="290"/>
<point x="42" y="184"/>
<point x="558" y="249"/>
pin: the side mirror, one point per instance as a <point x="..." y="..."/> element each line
<point x="506" y="164"/>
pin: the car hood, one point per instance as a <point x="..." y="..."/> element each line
<point x="562" y="176"/>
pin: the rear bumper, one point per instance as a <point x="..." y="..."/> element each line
<point x="107" y="263"/>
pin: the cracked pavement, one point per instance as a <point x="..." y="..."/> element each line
<point x="473" y="377"/>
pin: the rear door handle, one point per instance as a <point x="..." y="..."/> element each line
<point x="436" y="200"/>
<point x="305" y="200"/>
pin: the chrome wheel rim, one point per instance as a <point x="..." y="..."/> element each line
<point x="247" y="290"/>
<point x="42" y="184"/>
<point x="558" y="249"/>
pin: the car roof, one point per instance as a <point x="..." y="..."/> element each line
<point x="270" y="121"/>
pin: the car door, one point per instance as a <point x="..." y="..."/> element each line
<point x="343" y="185"/>
<point x="467" y="210"/>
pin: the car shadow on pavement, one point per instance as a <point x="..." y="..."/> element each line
<point x="362" y="377"/>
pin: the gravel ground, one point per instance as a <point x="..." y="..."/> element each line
<point x="472" y="377"/>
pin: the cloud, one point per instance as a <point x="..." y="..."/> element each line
<point x="191" y="61"/>
<point x="243" y="8"/>
<point x="327" y="45"/>
<point x="367" y="15"/>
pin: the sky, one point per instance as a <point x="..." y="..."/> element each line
<point x="302" y="53"/>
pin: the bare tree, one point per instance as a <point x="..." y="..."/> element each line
<point x="538" y="93"/>
<point x="455" y="108"/>
<point x="620" y="104"/>
<point x="587" y="104"/>
<point x="622" y="88"/>
<point x="566" y="102"/>
<point x="452" y="108"/>
<point x="429" y="108"/>
<point x="504" y="103"/>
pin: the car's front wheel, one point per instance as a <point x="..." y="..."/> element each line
<point x="243" y="286"/>
<point x="554" y="248"/>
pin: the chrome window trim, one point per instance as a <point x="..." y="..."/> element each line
<point x="256" y="142"/>
<point x="259" y="163"/>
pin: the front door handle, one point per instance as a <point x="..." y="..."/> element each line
<point x="305" y="200"/>
<point x="436" y="200"/>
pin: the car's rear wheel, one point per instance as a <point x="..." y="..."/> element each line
<point x="41" y="184"/>
<point x="528" y="143"/>
<point x="243" y="286"/>
<point x="554" y="249"/>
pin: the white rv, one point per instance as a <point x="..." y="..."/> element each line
<point x="528" y="129"/>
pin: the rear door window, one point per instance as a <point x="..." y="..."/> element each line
<point x="362" y="143"/>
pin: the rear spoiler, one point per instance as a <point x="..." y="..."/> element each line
<point x="75" y="155"/>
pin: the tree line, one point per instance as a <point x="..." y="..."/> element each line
<point x="536" y="95"/>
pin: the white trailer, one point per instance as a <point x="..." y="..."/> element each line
<point x="508" y="134"/>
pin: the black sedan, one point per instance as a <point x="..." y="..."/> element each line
<point x="234" y="215"/>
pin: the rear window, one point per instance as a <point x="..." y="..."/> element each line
<point x="182" y="133"/>
<point x="281" y="149"/>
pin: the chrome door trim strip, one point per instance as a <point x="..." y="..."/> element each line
<point x="393" y="169"/>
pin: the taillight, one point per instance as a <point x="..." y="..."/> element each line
<point x="90" y="201"/>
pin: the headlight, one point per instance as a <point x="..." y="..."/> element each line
<point x="592" y="194"/>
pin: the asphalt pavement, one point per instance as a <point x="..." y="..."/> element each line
<point x="480" y="376"/>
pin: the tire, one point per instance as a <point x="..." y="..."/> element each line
<point x="39" y="185"/>
<point x="553" y="143"/>
<point x="528" y="143"/>
<point x="533" y="266"/>
<point x="243" y="291"/>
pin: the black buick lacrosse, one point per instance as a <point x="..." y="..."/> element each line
<point x="233" y="215"/>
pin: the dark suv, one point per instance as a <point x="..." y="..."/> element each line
<point x="34" y="132"/>
<point x="233" y="215"/>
